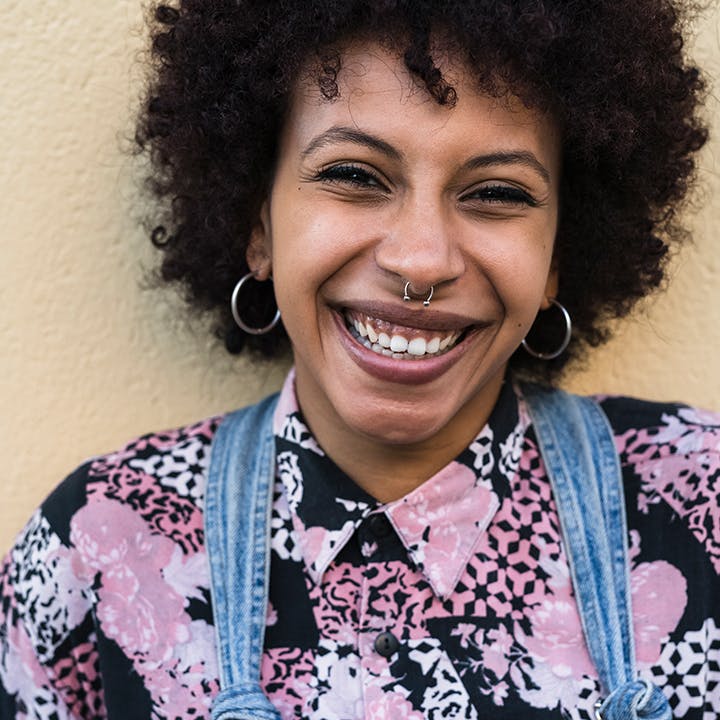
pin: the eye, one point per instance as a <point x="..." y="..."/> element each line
<point x="500" y="194"/>
<point x="349" y="174"/>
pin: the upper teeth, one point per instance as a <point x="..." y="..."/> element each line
<point x="397" y="344"/>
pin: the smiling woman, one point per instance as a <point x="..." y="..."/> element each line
<point x="382" y="189"/>
<point x="431" y="204"/>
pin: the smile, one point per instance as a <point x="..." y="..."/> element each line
<point x="398" y="341"/>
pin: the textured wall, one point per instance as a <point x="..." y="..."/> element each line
<point x="89" y="359"/>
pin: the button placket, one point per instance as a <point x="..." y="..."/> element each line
<point x="379" y="635"/>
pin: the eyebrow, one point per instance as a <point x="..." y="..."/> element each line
<point x="340" y="133"/>
<point x="510" y="157"/>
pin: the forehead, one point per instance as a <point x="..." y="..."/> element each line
<point x="377" y="93"/>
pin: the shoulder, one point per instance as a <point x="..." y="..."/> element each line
<point x="652" y="429"/>
<point x="671" y="448"/>
<point x="155" y="482"/>
<point x="173" y="460"/>
<point x="670" y="456"/>
<point x="152" y="486"/>
<point x="114" y="553"/>
<point x="626" y="413"/>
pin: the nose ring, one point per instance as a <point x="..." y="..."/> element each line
<point x="406" y="294"/>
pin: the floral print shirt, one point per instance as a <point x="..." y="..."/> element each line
<point x="452" y="602"/>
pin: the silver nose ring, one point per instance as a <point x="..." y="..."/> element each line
<point x="406" y="294"/>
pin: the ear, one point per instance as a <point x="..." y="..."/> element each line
<point x="551" y="286"/>
<point x="259" y="250"/>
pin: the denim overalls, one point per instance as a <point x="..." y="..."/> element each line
<point x="579" y="453"/>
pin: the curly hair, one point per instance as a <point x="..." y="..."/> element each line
<point x="614" y="75"/>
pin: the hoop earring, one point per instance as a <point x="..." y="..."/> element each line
<point x="565" y="342"/>
<point x="236" y="315"/>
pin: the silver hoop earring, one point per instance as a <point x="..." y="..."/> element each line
<point x="565" y="342"/>
<point x="406" y="294"/>
<point x="236" y="314"/>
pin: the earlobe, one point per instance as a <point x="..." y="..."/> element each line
<point x="552" y="287"/>
<point x="258" y="253"/>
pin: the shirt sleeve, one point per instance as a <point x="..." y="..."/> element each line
<point x="26" y="690"/>
<point x="47" y="659"/>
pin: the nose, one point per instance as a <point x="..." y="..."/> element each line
<point x="421" y="247"/>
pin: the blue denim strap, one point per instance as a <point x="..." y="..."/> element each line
<point x="238" y="503"/>
<point x="578" y="449"/>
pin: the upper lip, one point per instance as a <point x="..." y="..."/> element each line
<point x="422" y="318"/>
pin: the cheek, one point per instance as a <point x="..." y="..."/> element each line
<point x="518" y="274"/>
<point x="310" y="247"/>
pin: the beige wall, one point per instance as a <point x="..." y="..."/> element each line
<point x="88" y="359"/>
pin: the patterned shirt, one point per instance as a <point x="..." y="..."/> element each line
<point x="452" y="602"/>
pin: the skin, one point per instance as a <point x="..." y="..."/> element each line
<point x="383" y="186"/>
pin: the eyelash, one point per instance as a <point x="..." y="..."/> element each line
<point x="502" y="194"/>
<point x="360" y="177"/>
<point x="352" y="175"/>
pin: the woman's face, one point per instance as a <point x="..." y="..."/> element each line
<point x="381" y="187"/>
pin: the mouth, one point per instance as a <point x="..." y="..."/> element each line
<point x="401" y="342"/>
<point x="399" y="345"/>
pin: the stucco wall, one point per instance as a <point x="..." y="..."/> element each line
<point x="89" y="359"/>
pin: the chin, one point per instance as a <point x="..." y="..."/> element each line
<point x="397" y="426"/>
<point x="400" y="437"/>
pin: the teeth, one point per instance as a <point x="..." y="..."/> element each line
<point x="398" y="344"/>
<point x="417" y="346"/>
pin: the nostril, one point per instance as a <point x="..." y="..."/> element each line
<point x="409" y="292"/>
<point x="423" y="264"/>
<point x="417" y="290"/>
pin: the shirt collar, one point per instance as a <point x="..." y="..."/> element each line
<point x="440" y="523"/>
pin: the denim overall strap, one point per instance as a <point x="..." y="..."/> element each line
<point x="577" y="446"/>
<point x="238" y="502"/>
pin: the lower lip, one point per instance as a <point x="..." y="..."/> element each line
<point x="407" y="372"/>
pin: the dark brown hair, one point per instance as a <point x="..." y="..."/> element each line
<point x="613" y="73"/>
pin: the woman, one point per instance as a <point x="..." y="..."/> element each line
<point x="437" y="200"/>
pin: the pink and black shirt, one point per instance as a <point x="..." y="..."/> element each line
<point x="452" y="602"/>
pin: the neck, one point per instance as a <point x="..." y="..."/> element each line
<point x="390" y="471"/>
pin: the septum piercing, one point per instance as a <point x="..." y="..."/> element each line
<point x="406" y="294"/>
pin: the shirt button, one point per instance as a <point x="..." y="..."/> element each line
<point x="380" y="525"/>
<point x="386" y="644"/>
